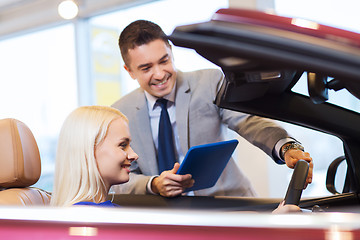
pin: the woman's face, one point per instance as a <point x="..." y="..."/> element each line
<point x="114" y="154"/>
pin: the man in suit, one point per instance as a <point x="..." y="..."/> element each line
<point x="194" y="118"/>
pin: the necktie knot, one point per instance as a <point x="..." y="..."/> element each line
<point x="162" y="102"/>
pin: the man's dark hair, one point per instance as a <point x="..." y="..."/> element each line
<point x="139" y="33"/>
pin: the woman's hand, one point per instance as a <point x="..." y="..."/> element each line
<point x="288" y="208"/>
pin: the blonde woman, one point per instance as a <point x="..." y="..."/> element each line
<point x="93" y="154"/>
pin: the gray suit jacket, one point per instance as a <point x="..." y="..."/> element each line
<point x="199" y="121"/>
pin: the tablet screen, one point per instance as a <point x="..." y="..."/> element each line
<point x="206" y="163"/>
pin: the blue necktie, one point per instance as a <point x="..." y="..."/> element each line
<point x="166" y="151"/>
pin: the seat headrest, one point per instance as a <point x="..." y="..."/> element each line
<point x="20" y="164"/>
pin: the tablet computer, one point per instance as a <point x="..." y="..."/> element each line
<point x="206" y="162"/>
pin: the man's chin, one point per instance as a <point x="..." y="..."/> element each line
<point x="160" y="92"/>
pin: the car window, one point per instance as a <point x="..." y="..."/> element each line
<point x="324" y="148"/>
<point x="342" y="98"/>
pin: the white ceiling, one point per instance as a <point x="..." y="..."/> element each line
<point x="17" y="16"/>
<point x="4" y="4"/>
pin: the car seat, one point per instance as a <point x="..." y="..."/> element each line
<point x="20" y="165"/>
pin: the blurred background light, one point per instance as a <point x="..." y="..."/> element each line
<point x="68" y="9"/>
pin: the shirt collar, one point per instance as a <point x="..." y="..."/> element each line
<point x="151" y="100"/>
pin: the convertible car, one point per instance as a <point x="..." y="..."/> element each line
<point x="262" y="56"/>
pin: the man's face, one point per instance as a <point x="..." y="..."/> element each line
<point x="152" y="66"/>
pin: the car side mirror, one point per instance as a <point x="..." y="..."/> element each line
<point x="333" y="175"/>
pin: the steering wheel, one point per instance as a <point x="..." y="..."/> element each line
<point x="297" y="183"/>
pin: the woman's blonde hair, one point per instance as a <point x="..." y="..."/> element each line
<point x="77" y="177"/>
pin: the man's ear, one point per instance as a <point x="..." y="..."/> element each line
<point x="129" y="71"/>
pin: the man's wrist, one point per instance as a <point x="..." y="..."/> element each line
<point x="149" y="185"/>
<point x="153" y="185"/>
<point x="293" y="145"/>
<point x="277" y="149"/>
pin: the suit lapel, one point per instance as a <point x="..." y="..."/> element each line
<point x="182" y="110"/>
<point x="143" y="132"/>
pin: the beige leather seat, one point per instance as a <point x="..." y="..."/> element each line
<point x="20" y="165"/>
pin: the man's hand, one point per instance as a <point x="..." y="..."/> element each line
<point x="170" y="184"/>
<point x="292" y="156"/>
